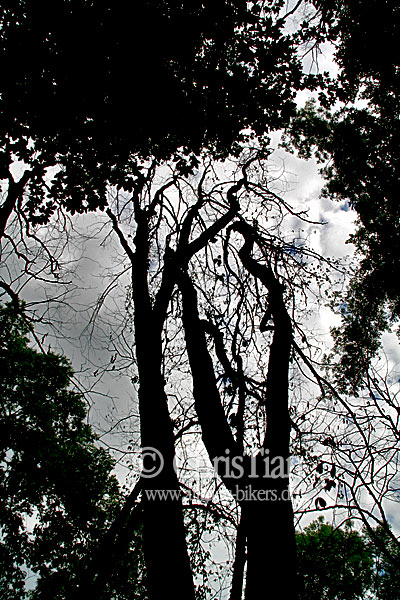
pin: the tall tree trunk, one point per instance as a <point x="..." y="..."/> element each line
<point x="271" y="551"/>
<point x="164" y="542"/>
<point x="239" y="562"/>
<point x="271" y="542"/>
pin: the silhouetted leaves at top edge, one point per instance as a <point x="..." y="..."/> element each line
<point x="94" y="85"/>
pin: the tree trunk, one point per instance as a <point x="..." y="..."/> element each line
<point x="240" y="560"/>
<point x="271" y="551"/>
<point x="164" y="541"/>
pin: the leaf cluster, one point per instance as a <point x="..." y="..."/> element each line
<point x="57" y="494"/>
<point x="341" y="562"/>
<point x="90" y="86"/>
<point x="354" y="132"/>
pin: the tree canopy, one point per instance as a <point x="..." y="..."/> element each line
<point x="354" y="131"/>
<point x="91" y="85"/>
<point x="341" y="562"/>
<point x="57" y="491"/>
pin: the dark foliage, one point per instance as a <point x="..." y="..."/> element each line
<point x="362" y="145"/>
<point x="342" y="563"/>
<point x="92" y="85"/>
<point x="56" y="492"/>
